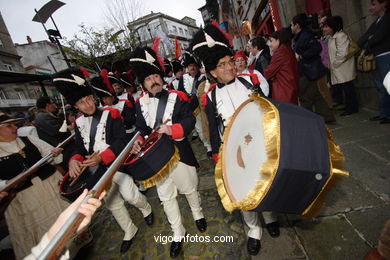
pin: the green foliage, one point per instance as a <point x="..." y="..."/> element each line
<point x="103" y="47"/>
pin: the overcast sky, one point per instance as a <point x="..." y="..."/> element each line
<point x="18" y="15"/>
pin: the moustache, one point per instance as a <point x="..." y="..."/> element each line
<point x="155" y="85"/>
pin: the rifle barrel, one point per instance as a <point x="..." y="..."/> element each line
<point x="57" y="244"/>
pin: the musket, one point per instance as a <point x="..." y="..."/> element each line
<point x="12" y="184"/>
<point x="57" y="244"/>
<point x="18" y="179"/>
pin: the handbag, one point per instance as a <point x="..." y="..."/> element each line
<point x="353" y="48"/>
<point x="365" y="62"/>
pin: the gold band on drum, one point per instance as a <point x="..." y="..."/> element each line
<point x="271" y="125"/>
<point x="163" y="172"/>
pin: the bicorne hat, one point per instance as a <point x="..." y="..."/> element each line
<point x="102" y="85"/>
<point x="144" y="62"/>
<point x="72" y="84"/>
<point x="176" y="65"/>
<point x="189" y="58"/>
<point x="127" y="78"/>
<point x="210" y="45"/>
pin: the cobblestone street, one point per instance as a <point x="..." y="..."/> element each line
<point x="346" y="228"/>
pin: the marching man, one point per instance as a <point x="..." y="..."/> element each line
<point x="101" y="132"/>
<point x="156" y="107"/>
<point x="221" y="101"/>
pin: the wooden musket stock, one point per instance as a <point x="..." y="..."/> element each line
<point x="56" y="246"/>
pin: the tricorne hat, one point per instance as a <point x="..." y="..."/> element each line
<point x="72" y="84"/>
<point x="210" y="45"/>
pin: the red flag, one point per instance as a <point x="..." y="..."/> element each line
<point x="177" y="49"/>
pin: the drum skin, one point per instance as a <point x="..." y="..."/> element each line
<point x="87" y="180"/>
<point x="274" y="157"/>
<point x="152" y="160"/>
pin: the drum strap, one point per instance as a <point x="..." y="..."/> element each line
<point x="220" y="125"/>
<point x="95" y="121"/>
<point x="254" y="88"/>
<point x="162" y="103"/>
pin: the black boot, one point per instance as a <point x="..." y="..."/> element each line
<point x="273" y="229"/>
<point x="125" y="245"/>
<point x="149" y="219"/>
<point x="253" y="246"/>
<point x="201" y="224"/>
<point x="175" y="249"/>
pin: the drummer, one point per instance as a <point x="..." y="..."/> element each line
<point x="109" y="140"/>
<point x="150" y="110"/>
<point x="214" y="49"/>
<point x="106" y="93"/>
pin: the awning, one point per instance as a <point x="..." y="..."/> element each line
<point x="15" y="77"/>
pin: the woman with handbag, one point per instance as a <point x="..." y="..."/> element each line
<point x="376" y="40"/>
<point x="342" y="68"/>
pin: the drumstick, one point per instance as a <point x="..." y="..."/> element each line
<point x="82" y="169"/>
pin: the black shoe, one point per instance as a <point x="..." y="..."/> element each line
<point x="253" y="246"/>
<point x="385" y="121"/>
<point x="376" y="118"/>
<point x="347" y="113"/>
<point x="175" y="249"/>
<point x="125" y="245"/>
<point x="194" y="137"/>
<point x="201" y="224"/>
<point x="273" y="229"/>
<point x="149" y="219"/>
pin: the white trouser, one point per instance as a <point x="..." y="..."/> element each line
<point x="199" y="129"/>
<point x="251" y="218"/>
<point x="182" y="178"/>
<point x="122" y="188"/>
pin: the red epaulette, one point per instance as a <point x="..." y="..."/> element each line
<point x="204" y="96"/>
<point x="127" y="102"/>
<point x="181" y="94"/>
<point x="78" y="116"/>
<point x="115" y="113"/>
<point x="254" y="78"/>
<point x="143" y="94"/>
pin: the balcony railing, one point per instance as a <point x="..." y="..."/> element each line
<point x="17" y="102"/>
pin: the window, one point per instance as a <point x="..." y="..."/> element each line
<point x="1" y="43"/>
<point x="181" y="31"/>
<point x="174" y="29"/>
<point x="186" y="32"/>
<point x="2" y="95"/>
<point x="8" y="67"/>
<point x="20" y="93"/>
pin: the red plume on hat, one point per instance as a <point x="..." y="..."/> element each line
<point x="85" y="72"/>
<point x="106" y="81"/>
<point x="215" y="23"/>
<point x="177" y="49"/>
<point x="155" y="48"/>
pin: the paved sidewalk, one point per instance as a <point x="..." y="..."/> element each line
<point x="346" y="228"/>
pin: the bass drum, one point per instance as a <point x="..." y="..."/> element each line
<point x="276" y="157"/>
<point x="154" y="162"/>
<point x="87" y="180"/>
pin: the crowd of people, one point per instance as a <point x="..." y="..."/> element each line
<point x="181" y="99"/>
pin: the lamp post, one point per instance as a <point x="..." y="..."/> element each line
<point x="43" y="15"/>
